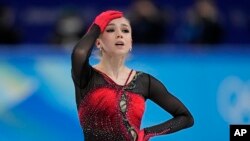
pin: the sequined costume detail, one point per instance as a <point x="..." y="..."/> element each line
<point x="106" y="110"/>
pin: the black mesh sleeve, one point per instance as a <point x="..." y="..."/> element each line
<point x="80" y="57"/>
<point x="182" y="118"/>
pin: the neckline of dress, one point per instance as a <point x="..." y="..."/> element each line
<point x="112" y="81"/>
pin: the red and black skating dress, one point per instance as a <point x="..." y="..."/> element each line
<point x="111" y="112"/>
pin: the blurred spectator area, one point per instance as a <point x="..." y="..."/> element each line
<point x="37" y="19"/>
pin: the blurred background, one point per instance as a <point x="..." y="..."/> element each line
<point x="200" y="49"/>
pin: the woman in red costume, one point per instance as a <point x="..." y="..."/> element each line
<point x="110" y="96"/>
